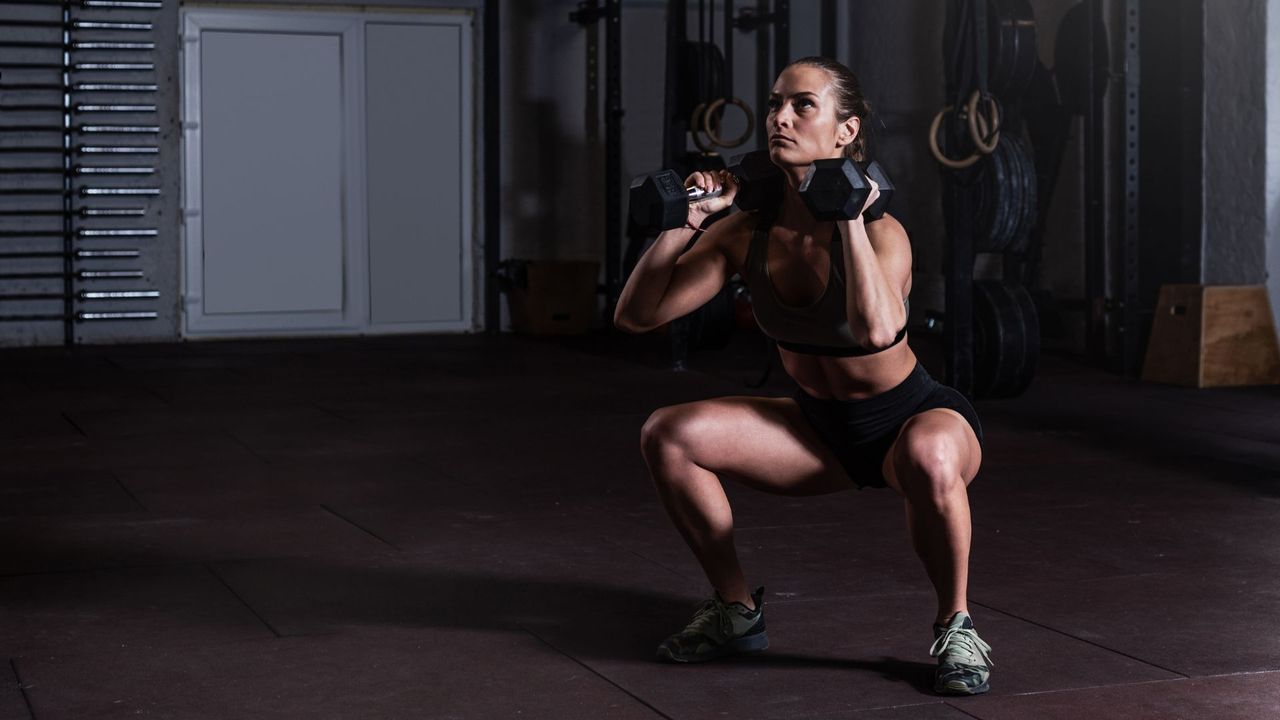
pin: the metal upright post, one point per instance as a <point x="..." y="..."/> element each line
<point x="675" y="129"/>
<point x="1130" y="338"/>
<point x="827" y="23"/>
<point x="957" y="331"/>
<point x="68" y="227"/>
<point x="613" y="151"/>
<point x="763" y="80"/>
<point x="1095" y="199"/>
<point x="728" y="51"/>
<point x="492" y="166"/>
<point x="781" y="35"/>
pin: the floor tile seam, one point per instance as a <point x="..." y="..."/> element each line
<point x="1236" y="674"/>
<point x="962" y="711"/>
<point x="362" y="528"/>
<point x="223" y="581"/>
<point x="1103" y="686"/>
<point x="66" y="415"/>
<point x="116" y="476"/>
<point x="235" y="438"/>
<point x="597" y="673"/>
<point x="26" y="699"/>
<point x="842" y="715"/>
<point x="854" y="597"/>
<point x="152" y="392"/>
<point x="1180" y="675"/>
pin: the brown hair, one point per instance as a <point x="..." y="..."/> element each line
<point x="849" y="100"/>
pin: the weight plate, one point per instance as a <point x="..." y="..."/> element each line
<point x="1006" y="339"/>
<point x="1031" y="338"/>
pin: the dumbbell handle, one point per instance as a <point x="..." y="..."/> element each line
<point x="697" y="194"/>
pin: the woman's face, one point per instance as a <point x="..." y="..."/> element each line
<point x="802" y="121"/>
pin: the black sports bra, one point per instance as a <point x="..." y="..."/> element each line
<point x="821" y="328"/>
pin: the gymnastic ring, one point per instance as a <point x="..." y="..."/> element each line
<point x="695" y="126"/>
<point x="937" y="152"/>
<point x="979" y="138"/>
<point x="714" y="136"/>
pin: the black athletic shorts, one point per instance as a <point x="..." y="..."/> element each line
<point x="860" y="432"/>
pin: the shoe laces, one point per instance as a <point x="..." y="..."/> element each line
<point x="710" y="615"/>
<point x="963" y="646"/>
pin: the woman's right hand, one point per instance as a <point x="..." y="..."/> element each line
<point x="710" y="181"/>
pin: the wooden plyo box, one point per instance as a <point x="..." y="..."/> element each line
<point x="1213" y="336"/>
<point x="553" y="298"/>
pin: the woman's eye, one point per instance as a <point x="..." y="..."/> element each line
<point x="774" y="104"/>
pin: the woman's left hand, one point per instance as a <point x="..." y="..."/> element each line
<point x="871" y="197"/>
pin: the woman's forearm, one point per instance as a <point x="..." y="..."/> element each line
<point x="648" y="283"/>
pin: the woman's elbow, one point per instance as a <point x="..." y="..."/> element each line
<point x="879" y="337"/>
<point x="628" y="324"/>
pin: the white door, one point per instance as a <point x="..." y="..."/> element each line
<point x="328" y="184"/>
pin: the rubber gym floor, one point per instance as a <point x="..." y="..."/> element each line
<point x="463" y="527"/>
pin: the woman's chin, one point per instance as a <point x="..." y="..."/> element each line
<point x="782" y="153"/>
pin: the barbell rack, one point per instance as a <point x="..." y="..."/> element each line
<point x="77" y="102"/>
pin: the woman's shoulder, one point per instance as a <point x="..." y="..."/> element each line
<point x="733" y="235"/>
<point x="888" y="229"/>
<point x="733" y="231"/>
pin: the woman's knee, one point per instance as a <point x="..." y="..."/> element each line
<point x="667" y="433"/>
<point x="929" y="462"/>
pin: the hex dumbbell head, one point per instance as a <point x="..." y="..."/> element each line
<point x="877" y="173"/>
<point x="834" y="189"/>
<point x="659" y="201"/>
<point x="759" y="180"/>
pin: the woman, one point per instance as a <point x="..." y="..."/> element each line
<point x="865" y="414"/>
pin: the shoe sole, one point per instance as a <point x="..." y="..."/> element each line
<point x="961" y="689"/>
<point x="748" y="644"/>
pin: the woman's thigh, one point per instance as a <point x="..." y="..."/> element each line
<point x="764" y="443"/>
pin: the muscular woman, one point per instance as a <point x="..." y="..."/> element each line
<point x="865" y="412"/>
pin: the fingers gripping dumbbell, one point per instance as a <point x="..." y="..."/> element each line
<point x="837" y="189"/>
<point x="833" y="189"/>
<point x="661" y="201"/>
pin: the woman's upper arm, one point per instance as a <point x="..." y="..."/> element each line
<point x="893" y="250"/>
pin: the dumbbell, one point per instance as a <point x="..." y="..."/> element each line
<point x="836" y="189"/>
<point x="661" y="201"/>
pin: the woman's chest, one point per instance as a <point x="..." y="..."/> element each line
<point x="800" y="266"/>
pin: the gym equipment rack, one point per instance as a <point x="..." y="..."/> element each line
<point x="96" y="198"/>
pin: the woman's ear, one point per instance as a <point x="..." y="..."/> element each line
<point x="849" y="130"/>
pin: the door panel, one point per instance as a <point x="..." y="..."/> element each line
<point x="413" y="113"/>
<point x="273" y="175"/>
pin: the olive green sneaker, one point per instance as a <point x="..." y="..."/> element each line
<point x="718" y="629"/>
<point x="963" y="663"/>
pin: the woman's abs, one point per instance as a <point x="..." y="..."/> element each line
<point x="849" y="378"/>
